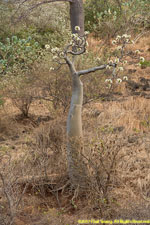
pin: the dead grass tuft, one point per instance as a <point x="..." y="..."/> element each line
<point x="133" y="113"/>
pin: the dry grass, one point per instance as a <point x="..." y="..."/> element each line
<point x="122" y="126"/>
<point x="133" y="113"/>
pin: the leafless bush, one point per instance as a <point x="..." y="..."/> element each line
<point x="54" y="87"/>
<point x="11" y="172"/>
<point x="20" y="90"/>
<point x="23" y="104"/>
<point x="119" y="172"/>
<point x="47" y="154"/>
<point x="102" y="160"/>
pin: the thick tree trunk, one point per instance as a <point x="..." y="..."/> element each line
<point x="77" y="16"/>
<point x="76" y="167"/>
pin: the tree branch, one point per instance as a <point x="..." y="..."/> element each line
<point x="70" y="64"/>
<point x="47" y="1"/>
<point x="77" y="53"/>
<point x="93" y="69"/>
<point x="34" y="6"/>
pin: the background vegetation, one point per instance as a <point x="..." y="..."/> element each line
<point x="34" y="101"/>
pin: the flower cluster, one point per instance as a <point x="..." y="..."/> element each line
<point x="77" y="28"/>
<point x="137" y="51"/>
<point x="108" y="67"/>
<point x="120" y="68"/>
<point x="55" y="50"/>
<point x="142" y="59"/>
<point x="108" y="81"/>
<point x="51" y="68"/>
<point x="118" y="81"/>
<point x="125" y="38"/>
<point x="76" y="46"/>
<point x="125" y="78"/>
<point x="111" y="62"/>
<point x="47" y="47"/>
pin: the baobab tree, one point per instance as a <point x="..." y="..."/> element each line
<point x="77" y="169"/>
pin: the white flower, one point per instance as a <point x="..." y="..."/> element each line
<point x="125" y="78"/>
<point x="125" y="36"/>
<point x="108" y="67"/>
<point x="53" y="50"/>
<point x="109" y="11"/>
<point x="110" y="62"/>
<point x="62" y="54"/>
<point x="125" y="62"/>
<point x="73" y="35"/>
<point x="118" y="38"/>
<point x="77" y="38"/>
<point x="142" y="59"/>
<point x="47" y="46"/>
<point x="98" y="59"/>
<point x="77" y="28"/>
<point x="119" y="47"/>
<point x="114" y="42"/>
<point x="118" y="80"/>
<point x="109" y="85"/>
<point x="117" y="60"/>
<point x="120" y="68"/>
<point x="51" y="68"/>
<point x="108" y="81"/>
<point x="137" y="51"/>
<point x="55" y="57"/>
<point x="138" y="64"/>
<point x="86" y="32"/>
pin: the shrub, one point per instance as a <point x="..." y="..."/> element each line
<point x="103" y="18"/>
<point x="106" y="18"/>
<point x="6" y="10"/>
<point x="20" y="90"/>
<point x="42" y="24"/>
<point x="54" y="86"/>
<point x="17" y="55"/>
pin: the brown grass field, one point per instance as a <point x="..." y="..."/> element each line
<point x="34" y="147"/>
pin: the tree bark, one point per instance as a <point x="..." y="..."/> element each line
<point x="77" y="16"/>
<point x="76" y="167"/>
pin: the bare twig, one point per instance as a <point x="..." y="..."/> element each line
<point x="34" y="6"/>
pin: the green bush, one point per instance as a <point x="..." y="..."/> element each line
<point x="108" y="18"/>
<point x="17" y="55"/>
<point x="145" y="64"/>
<point x="44" y="25"/>
<point x="104" y="18"/>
